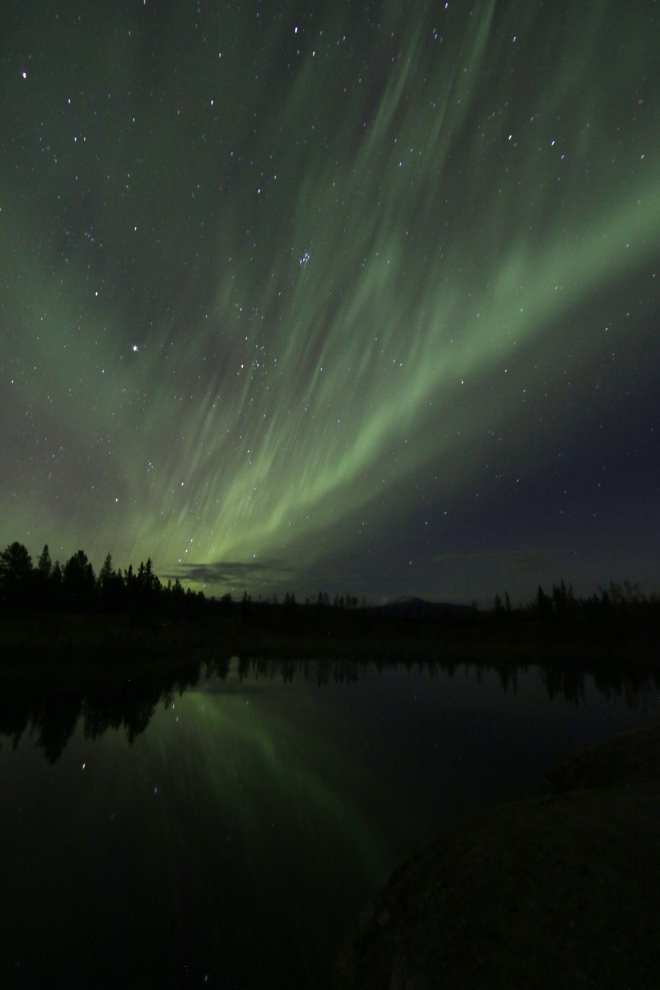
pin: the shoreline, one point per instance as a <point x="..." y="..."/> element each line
<point x="61" y="639"/>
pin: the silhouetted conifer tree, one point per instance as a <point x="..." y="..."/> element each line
<point x="45" y="566"/>
<point x="79" y="583"/>
<point x="15" y="575"/>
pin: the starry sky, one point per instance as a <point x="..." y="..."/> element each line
<point x="346" y="296"/>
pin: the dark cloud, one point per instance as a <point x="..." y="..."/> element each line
<point x="232" y="572"/>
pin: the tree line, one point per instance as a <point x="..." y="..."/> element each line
<point x="614" y="615"/>
<point x="618" y="613"/>
<point x="74" y="587"/>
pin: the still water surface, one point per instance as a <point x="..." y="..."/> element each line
<point x="234" y="839"/>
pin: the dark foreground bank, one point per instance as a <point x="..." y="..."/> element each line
<point x="555" y="892"/>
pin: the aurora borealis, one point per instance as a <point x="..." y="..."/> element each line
<point x="353" y="296"/>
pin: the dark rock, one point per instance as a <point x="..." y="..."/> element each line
<point x="551" y="892"/>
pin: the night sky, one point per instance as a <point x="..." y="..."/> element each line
<point x="337" y="296"/>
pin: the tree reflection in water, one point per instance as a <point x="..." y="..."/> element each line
<point x="129" y="701"/>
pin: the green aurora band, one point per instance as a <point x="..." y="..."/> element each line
<point x="385" y="281"/>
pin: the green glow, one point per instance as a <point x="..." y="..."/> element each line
<point x="482" y="205"/>
<point x="251" y="750"/>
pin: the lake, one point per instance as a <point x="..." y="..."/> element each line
<point x="228" y="835"/>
